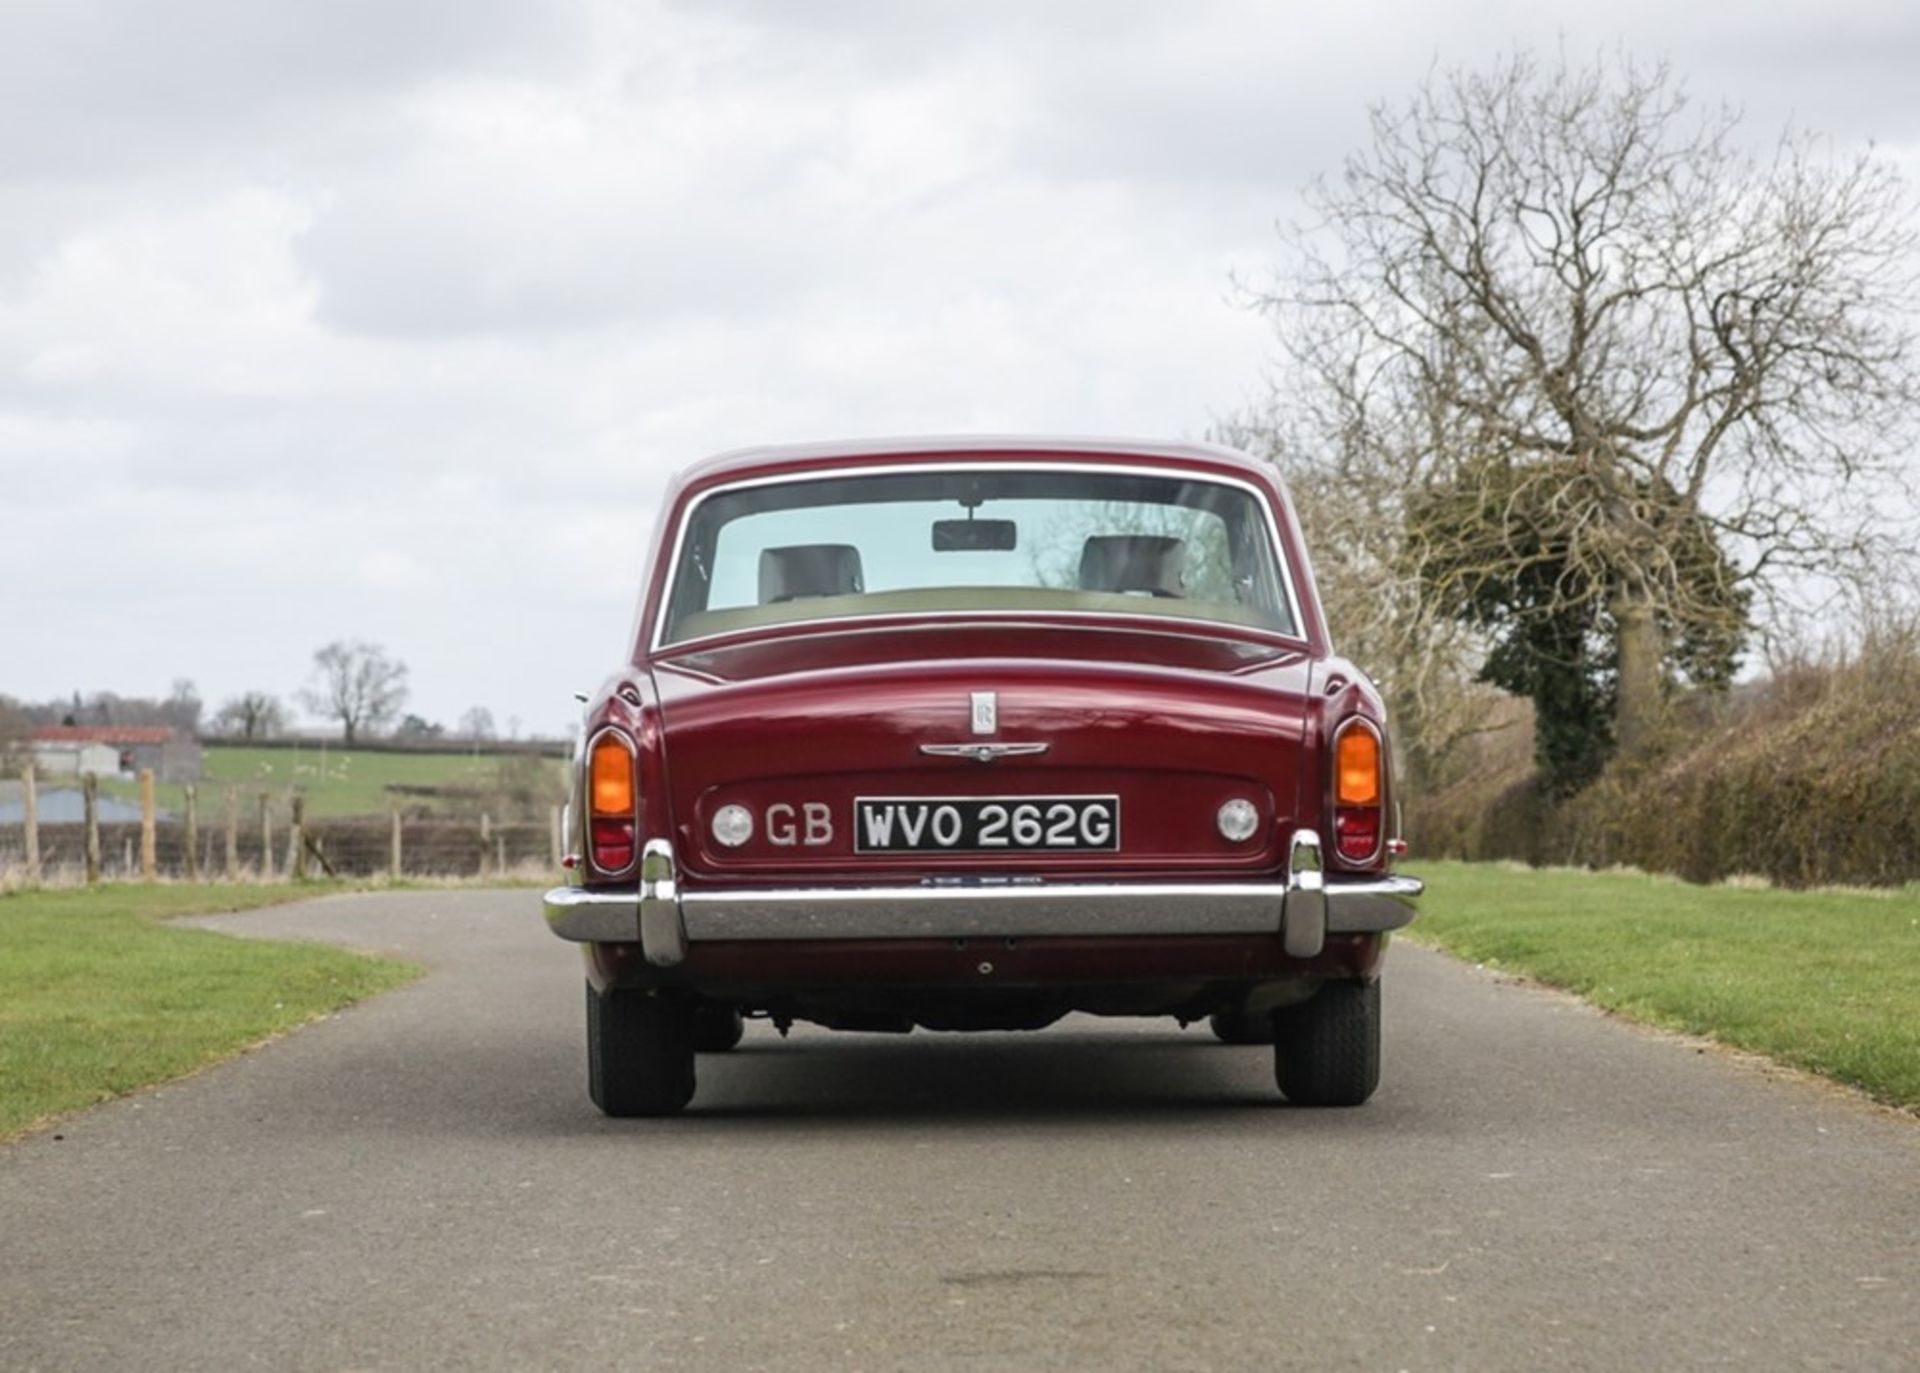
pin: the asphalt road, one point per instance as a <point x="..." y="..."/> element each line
<point x="421" y="1182"/>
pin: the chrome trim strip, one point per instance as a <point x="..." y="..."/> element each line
<point x="983" y="753"/>
<point x="657" y="642"/>
<point x="1202" y="631"/>
<point x="984" y="912"/>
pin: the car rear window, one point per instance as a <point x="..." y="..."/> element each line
<point x="976" y="540"/>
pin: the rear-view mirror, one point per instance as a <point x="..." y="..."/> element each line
<point x="974" y="536"/>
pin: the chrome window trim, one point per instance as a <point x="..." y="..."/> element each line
<point x="881" y="624"/>
<point x="657" y="641"/>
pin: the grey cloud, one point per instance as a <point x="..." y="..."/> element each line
<point x="113" y="88"/>
<point x="393" y="260"/>
<point x="400" y="313"/>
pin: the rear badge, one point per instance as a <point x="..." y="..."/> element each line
<point x="982" y="753"/>
<point x="986" y="713"/>
<point x="986" y="720"/>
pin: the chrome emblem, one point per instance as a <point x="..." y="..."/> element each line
<point x="986" y="720"/>
<point x="982" y="753"/>
<point x="986" y="712"/>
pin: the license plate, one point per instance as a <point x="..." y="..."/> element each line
<point x="986" y="824"/>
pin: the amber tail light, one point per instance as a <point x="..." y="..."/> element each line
<point x="1359" y="792"/>
<point x="613" y="822"/>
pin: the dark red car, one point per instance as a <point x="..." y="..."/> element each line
<point x="971" y="734"/>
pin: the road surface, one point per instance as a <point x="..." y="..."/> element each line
<point x="421" y="1182"/>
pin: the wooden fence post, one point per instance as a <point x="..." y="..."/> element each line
<point x="486" y="840"/>
<point x="90" y="801"/>
<point x="192" y="798"/>
<point x="500" y="854"/>
<point x="555" y="844"/>
<point x="297" y="844"/>
<point x="233" y="835"/>
<point x="31" y="801"/>
<point x="149" y="866"/>
<point x="394" y="857"/>
<point x="266" y="837"/>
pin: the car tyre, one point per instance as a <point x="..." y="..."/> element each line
<point x="1327" y="1049"/>
<point x="717" y="1027"/>
<point x="639" y="1052"/>
<point x="1242" y="1027"/>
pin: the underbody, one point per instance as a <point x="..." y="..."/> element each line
<point x="992" y="983"/>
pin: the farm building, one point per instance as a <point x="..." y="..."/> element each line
<point x="64" y="758"/>
<point x="70" y="750"/>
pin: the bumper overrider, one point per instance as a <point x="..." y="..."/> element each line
<point x="1302" y="911"/>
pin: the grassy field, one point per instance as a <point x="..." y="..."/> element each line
<point x="1827" y="980"/>
<point x="340" y="781"/>
<point x="98" y="997"/>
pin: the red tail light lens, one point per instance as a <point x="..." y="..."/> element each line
<point x="1356" y="833"/>
<point x="1359" y="790"/>
<point x="613" y="804"/>
<point x="613" y="844"/>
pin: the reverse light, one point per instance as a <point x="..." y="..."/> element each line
<point x="1237" y="820"/>
<point x="733" y="825"/>
<point x="1359" y="786"/>
<point x="612" y="804"/>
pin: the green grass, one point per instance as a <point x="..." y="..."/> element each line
<point x="1825" y="980"/>
<point x="335" y="781"/>
<point x="98" y="997"/>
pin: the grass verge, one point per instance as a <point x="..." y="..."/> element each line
<point x="338" y="781"/>
<point x="98" y="997"/>
<point x="1824" y="980"/>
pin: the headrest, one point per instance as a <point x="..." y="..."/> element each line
<point x="809" y="569"/>
<point x="1134" y="562"/>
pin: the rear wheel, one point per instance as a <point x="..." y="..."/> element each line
<point x="1242" y="1027"/>
<point x="1327" y="1050"/>
<point x="639" y="1052"/>
<point x="717" y="1027"/>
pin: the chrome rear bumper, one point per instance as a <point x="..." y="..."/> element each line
<point x="1302" y="910"/>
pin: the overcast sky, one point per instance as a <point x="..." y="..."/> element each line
<point x="387" y="319"/>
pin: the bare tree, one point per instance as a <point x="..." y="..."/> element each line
<point x="356" y="684"/>
<point x="251" y="715"/>
<point x="183" y="707"/>
<point x="13" y="735"/>
<point x="477" y="724"/>
<point x="1423" y="659"/>
<point x="1557" y="287"/>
